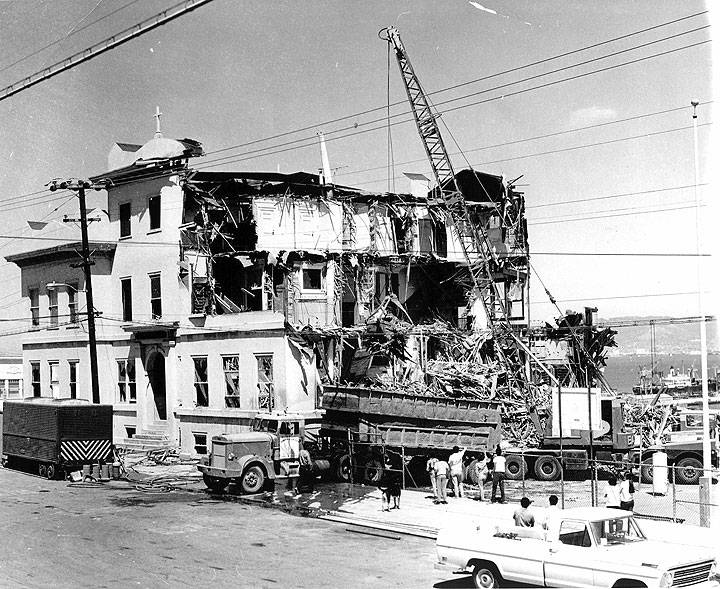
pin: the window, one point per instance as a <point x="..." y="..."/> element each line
<point x="265" y="385"/>
<point x="72" y="365"/>
<point x="312" y="278"/>
<point x="574" y="533"/>
<point x="201" y="382"/>
<point x="126" y="381"/>
<point x="231" y="368"/>
<point x="53" y="307"/>
<point x="126" y="292"/>
<point x="155" y="298"/>
<point x="34" y="295"/>
<point x="154" y="210"/>
<point x="200" y="442"/>
<point x="13" y="388"/>
<point x="35" y="378"/>
<point x="125" y="212"/>
<point x="130" y="431"/>
<point x="72" y="302"/>
<point x="54" y="373"/>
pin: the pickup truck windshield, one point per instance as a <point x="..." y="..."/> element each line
<point x="264" y="425"/>
<point x="620" y="530"/>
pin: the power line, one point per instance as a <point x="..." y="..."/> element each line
<point x="73" y="32"/>
<point x="441" y="90"/>
<point x="100" y="48"/>
<point x="242" y="157"/>
<point x="618" y="297"/>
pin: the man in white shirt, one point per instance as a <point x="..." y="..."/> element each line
<point x="456" y="469"/>
<point x="498" y="477"/>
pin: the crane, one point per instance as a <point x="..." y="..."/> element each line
<point x="482" y="261"/>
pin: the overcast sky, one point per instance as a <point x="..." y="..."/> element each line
<point x="233" y="72"/>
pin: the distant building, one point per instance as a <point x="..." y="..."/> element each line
<point x="11" y="373"/>
<point x="218" y="292"/>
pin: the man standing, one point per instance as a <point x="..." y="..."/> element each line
<point x="306" y="481"/>
<point x="430" y="468"/>
<point x="498" y="477"/>
<point x="481" y="472"/>
<point x="441" y="470"/>
<point x="456" y="469"/>
<point x="523" y="517"/>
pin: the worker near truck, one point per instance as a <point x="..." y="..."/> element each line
<point x="498" y="476"/>
<point x="612" y="493"/>
<point x="627" y="491"/>
<point x="481" y="474"/>
<point x="430" y="468"/>
<point x="455" y="461"/>
<point x="441" y="471"/>
<point x="307" y="479"/>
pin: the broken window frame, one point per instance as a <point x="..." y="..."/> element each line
<point x="125" y="216"/>
<point x="35" y="383"/>
<point x="265" y="382"/>
<point x="202" y="387"/>
<point x="155" y="295"/>
<point x="231" y="373"/>
<point x="154" y="213"/>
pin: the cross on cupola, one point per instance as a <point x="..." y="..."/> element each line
<point x="157" y="116"/>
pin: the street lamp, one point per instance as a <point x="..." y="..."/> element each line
<point x="79" y="186"/>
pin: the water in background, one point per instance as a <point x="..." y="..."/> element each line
<point x="623" y="372"/>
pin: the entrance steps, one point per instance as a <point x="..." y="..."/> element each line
<point x="156" y="436"/>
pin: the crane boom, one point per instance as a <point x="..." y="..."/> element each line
<point x="477" y="250"/>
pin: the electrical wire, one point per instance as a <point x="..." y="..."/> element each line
<point x="453" y="87"/>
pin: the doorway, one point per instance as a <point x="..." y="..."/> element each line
<point x="156" y="376"/>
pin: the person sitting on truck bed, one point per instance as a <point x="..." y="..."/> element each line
<point x="456" y="469"/>
<point x="523" y="517"/>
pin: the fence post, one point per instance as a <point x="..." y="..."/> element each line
<point x="351" y="454"/>
<point x="593" y="482"/>
<point x="402" y="466"/>
<point x="674" y="496"/>
<point x="522" y="457"/>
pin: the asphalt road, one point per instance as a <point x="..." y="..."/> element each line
<point x="55" y="535"/>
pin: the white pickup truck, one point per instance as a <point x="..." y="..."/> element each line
<point x="578" y="547"/>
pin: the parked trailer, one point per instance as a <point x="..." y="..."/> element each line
<point x="57" y="435"/>
<point x="361" y="424"/>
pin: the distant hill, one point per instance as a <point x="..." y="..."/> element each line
<point x="681" y="338"/>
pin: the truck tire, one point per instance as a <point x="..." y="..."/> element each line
<point x="470" y="474"/>
<point x="215" y="484"/>
<point x="42" y="470"/>
<point x="646" y="471"/>
<point x="50" y="472"/>
<point x="688" y="471"/>
<point x="547" y="468"/>
<point x="485" y="575"/>
<point x="341" y="468"/>
<point x="252" y="480"/>
<point x="515" y="468"/>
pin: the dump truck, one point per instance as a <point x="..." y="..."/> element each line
<point x="362" y="424"/>
<point x="612" y="440"/>
<point x="55" y="436"/>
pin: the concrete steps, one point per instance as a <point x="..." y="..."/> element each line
<point x="155" y="437"/>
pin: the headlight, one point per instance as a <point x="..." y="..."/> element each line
<point x="713" y="570"/>
<point x="231" y="456"/>
<point x="666" y="580"/>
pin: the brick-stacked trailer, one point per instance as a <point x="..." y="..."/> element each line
<point x="57" y="435"/>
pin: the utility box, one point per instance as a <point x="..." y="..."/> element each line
<point x="56" y="434"/>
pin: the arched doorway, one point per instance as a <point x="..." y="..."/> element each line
<point x="156" y="376"/>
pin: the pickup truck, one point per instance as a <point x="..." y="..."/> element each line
<point x="577" y="547"/>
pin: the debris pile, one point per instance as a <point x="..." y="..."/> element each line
<point x="651" y="421"/>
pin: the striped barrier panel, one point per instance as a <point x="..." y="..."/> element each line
<point x="85" y="450"/>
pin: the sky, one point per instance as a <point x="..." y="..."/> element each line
<point x="231" y="74"/>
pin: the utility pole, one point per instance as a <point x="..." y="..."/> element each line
<point x="705" y="480"/>
<point x="79" y="186"/>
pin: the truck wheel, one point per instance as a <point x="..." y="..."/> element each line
<point x="547" y="468"/>
<point x="252" y="480"/>
<point x="485" y="575"/>
<point x="4" y="461"/>
<point x="215" y="484"/>
<point x="50" y="472"/>
<point x="646" y="471"/>
<point x="42" y="470"/>
<point x="515" y="468"/>
<point x="688" y="471"/>
<point x="470" y="474"/>
<point x="373" y="470"/>
<point x="341" y="468"/>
